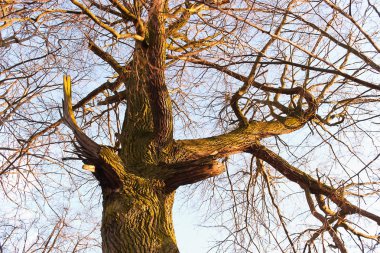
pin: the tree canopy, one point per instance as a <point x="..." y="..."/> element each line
<point x="267" y="110"/>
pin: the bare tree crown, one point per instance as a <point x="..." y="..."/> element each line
<point x="275" y="102"/>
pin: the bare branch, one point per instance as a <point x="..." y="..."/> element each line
<point x="88" y="148"/>
<point x="305" y="181"/>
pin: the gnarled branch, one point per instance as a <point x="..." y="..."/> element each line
<point x="305" y="181"/>
<point x="109" y="169"/>
<point x="88" y="147"/>
<point x="243" y="137"/>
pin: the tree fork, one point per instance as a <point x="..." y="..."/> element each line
<point x="137" y="211"/>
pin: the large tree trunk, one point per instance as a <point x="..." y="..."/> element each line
<point x="138" y="218"/>
<point x="139" y="179"/>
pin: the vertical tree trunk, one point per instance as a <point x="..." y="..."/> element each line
<point x="138" y="218"/>
<point x="138" y="181"/>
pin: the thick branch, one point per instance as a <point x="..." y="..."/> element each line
<point x="305" y="181"/>
<point x="192" y="172"/>
<point x="109" y="167"/>
<point x="240" y="139"/>
<point x="89" y="148"/>
<point x="159" y="98"/>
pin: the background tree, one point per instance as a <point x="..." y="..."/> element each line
<point x="287" y="89"/>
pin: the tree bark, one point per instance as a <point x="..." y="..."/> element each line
<point x="138" y="218"/>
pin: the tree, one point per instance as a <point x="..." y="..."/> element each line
<point x="269" y="69"/>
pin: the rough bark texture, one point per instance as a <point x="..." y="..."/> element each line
<point x="138" y="181"/>
<point x="138" y="218"/>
